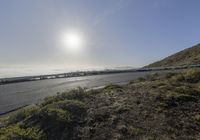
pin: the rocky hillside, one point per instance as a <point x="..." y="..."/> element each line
<point x="186" y="57"/>
<point x="163" y="107"/>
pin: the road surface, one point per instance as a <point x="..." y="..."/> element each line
<point x="13" y="96"/>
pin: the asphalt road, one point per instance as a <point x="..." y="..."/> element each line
<point x="13" y="96"/>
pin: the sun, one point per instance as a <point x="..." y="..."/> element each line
<point x="73" y="41"/>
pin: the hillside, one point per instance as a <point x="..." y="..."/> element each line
<point x="162" y="107"/>
<point x="188" y="56"/>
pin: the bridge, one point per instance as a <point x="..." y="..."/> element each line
<point x="87" y="73"/>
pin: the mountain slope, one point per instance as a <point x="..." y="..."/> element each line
<point x="188" y="56"/>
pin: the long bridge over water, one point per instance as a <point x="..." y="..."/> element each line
<point x="87" y="73"/>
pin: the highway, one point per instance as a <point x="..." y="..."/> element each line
<point x="89" y="73"/>
<point x="16" y="95"/>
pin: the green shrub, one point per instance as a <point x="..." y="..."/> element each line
<point x="21" y="115"/>
<point x="49" y="100"/>
<point x="177" y="78"/>
<point x="76" y="94"/>
<point x="112" y="87"/>
<point x="54" y="115"/>
<point x="192" y="76"/>
<point x="187" y="90"/>
<point x="197" y="117"/>
<point x="62" y="112"/>
<point x="75" y="107"/>
<point x="141" y="79"/>
<point x="15" y="132"/>
<point x="132" y="82"/>
<point x="55" y="118"/>
<point x="174" y="99"/>
<point x="170" y="75"/>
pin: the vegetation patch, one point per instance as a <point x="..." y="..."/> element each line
<point x="155" y="107"/>
<point x="16" y="132"/>
<point x="113" y="87"/>
<point x="190" y="56"/>
<point x="192" y="76"/>
<point x="197" y="117"/>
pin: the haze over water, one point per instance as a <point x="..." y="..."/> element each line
<point x="8" y="72"/>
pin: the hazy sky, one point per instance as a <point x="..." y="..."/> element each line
<point x="117" y="32"/>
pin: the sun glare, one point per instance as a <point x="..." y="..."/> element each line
<point x="73" y="41"/>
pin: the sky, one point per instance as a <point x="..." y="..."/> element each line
<point x="116" y="33"/>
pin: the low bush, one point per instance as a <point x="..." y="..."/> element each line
<point x="55" y="118"/>
<point x="15" y="132"/>
<point x="197" y="117"/>
<point x="21" y="115"/>
<point x="192" y="76"/>
<point x="174" y="99"/>
<point x="177" y="78"/>
<point x="76" y="94"/>
<point x="170" y="75"/>
<point x="187" y="90"/>
<point x="113" y="87"/>
<point x="141" y="79"/>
